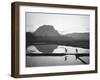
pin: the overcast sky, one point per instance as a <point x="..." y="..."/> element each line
<point x="64" y="24"/>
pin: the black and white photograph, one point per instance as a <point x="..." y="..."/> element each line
<point x="55" y="39"/>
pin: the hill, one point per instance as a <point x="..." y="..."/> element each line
<point x="46" y="34"/>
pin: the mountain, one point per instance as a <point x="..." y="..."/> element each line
<point x="46" y="31"/>
<point x="46" y="34"/>
<point x="79" y="36"/>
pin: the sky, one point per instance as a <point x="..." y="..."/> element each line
<point x="63" y="23"/>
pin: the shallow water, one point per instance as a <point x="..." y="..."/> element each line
<point x="33" y="61"/>
<point x="53" y="48"/>
<point x="37" y="61"/>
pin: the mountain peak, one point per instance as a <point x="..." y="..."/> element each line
<point x="46" y="30"/>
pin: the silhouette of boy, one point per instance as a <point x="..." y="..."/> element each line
<point x="76" y="50"/>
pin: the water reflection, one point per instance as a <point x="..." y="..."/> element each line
<point x="46" y="48"/>
<point x="37" y="55"/>
<point x="55" y="49"/>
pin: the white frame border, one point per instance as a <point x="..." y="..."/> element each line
<point x="53" y="69"/>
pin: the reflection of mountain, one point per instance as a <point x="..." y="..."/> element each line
<point x="46" y="34"/>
